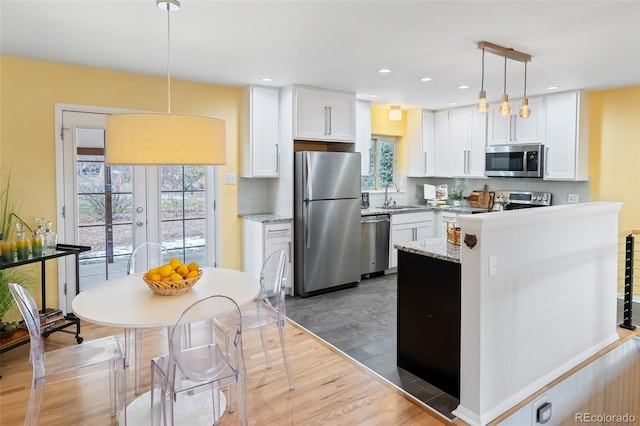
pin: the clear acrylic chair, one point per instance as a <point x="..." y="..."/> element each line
<point x="205" y="355"/>
<point x="270" y="306"/>
<point x="90" y="357"/>
<point x="146" y="255"/>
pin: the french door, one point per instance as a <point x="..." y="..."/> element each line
<point x="113" y="209"/>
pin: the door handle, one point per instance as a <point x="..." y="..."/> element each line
<point x="308" y="221"/>
<point x="424" y="165"/>
<point x="139" y="224"/>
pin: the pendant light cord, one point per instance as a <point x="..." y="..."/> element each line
<point x="482" y="82"/>
<point x="525" y="79"/>
<point x="505" y="75"/>
<point x="168" y="59"/>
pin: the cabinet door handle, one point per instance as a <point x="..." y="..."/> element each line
<point x="545" y="160"/>
<point x="289" y="251"/>
<point x="512" y="128"/>
<point x="329" y="108"/>
<point x="324" y="130"/>
<point x="277" y="158"/>
<point x="424" y="165"/>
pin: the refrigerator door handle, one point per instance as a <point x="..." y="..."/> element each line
<point x="307" y="176"/>
<point x="307" y="230"/>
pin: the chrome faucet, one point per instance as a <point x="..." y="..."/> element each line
<point x="387" y="201"/>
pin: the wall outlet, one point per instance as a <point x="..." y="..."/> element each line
<point x="541" y="411"/>
<point x="573" y="199"/>
<point x="230" y="178"/>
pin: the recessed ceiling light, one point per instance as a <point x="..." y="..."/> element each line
<point x="463" y="86"/>
<point x="374" y="95"/>
<point x="454" y="103"/>
<point x="553" y="87"/>
<point x="266" y="79"/>
<point x="384" y="70"/>
<point x="425" y="79"/>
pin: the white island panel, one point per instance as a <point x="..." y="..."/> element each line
<point x="538" y="298"/>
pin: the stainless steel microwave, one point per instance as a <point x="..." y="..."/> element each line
<point x="514" y="160"/>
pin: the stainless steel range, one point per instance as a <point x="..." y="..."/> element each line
<point x="525" y="200"/>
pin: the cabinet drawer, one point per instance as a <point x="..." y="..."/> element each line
<point x="397" y="219"/>
<point x="277" y="230"/>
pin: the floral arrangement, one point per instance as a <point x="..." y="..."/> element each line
<point x="455" y="194"/>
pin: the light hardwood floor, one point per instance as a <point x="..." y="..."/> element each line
<point x="331" y="389"/>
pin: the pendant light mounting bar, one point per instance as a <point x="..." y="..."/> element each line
<point x="505" y="52"/>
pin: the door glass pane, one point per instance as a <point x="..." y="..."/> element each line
<point x="183" y="214"/>
<point x="104" y="212"/>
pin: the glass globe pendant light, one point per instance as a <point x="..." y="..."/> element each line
<point x="525" y="111"/>
<point x="483" y="105"/>
<point x="505" y="108"/>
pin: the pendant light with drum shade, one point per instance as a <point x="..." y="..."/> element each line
<point x="165" y="139"/>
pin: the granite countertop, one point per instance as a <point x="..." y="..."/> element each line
<point x="412" y="208"/>
<point x="439" y="248"/>
<point x="266" y="218"/>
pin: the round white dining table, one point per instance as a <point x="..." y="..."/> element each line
<point x="128" y="302"/>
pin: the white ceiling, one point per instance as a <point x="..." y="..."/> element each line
<point x="341" y="44"/>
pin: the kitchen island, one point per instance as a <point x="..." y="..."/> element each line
<point x="429" y="273"/>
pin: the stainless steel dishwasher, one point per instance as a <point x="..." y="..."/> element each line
<point x="375" y="244"/>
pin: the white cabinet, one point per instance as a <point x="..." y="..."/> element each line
<point x="440" y="220"/>
<point x="363" y="135"/>
<point x="262" y="239"/>
<point x="566" y="142"/>
<point x="420" y="142"/>
<point x="406" y="227"/>
<point x="441" y="143"/>
<point x="323" y="115"/>
<point x="259" y="133"/>
<point x="512" y="128"/>
<point x="467" y="141"/>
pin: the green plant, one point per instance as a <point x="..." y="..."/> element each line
<point x="8" y="209"/>
<point x="455" y="194"/>
<point x="13" y="275"/>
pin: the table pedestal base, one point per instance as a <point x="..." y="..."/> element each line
<point x="192" y="410"/>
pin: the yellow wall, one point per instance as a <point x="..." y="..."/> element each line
<point x="28" y="91"/>
<point x="381" y="125"/>
<point x="614" y="150"/>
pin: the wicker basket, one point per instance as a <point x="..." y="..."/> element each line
<point x="172" y="288"/>
<point x="453" y="234"/>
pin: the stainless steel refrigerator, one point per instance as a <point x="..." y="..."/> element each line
<point x="326" y="221"/>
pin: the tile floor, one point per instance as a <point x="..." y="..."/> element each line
<point x="361" y="322"/>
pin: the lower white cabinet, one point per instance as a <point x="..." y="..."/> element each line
<point x="262" y="239"/>
<point x="406" y="227"/>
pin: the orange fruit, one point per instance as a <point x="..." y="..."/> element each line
<point x="192" y="274"/>
<point x="165" y="270"/>
<point x="183" y="270"/>
<point x="154" y="277"/>
<point x="152" y="271"/>
<point x="193" y="266"/>
<point x="175" y="262"/>
<point x="175" y="277"/>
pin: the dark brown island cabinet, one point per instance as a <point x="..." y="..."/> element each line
<point x="429" y="319"/>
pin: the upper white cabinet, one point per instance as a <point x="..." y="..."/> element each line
<point x="566" y="137"/>
<point x="259" y="132"/>
<point x="512" y="128"/>
<point x="363" y="134"/>
<point x="420" y="142"/>
<point x="441" y="143"/>
<point x="467" y="142"/>
<point x="323" y="115"/>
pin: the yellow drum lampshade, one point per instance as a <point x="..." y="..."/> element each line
<point x="164" y="139"/>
